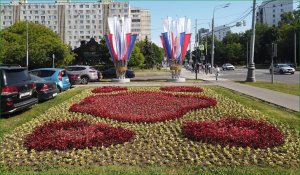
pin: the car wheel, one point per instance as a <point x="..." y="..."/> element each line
<point x="292" y="72"/>
<point x="281" y="72"/>
<point x="84" y="80"/>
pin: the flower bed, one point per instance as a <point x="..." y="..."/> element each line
<point x="181" y="89"/>
<point x="142" y="106"/>
<point x="234" y="132"/>
<point x="108" y="89"/>
<point x="78" y="134"/>
<point x="160" y="144"/>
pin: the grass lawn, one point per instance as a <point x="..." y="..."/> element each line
<point x="287" y="88"/>
<point x="157" y="141"/>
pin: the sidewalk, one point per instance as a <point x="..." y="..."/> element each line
<point x="277" y="98"/>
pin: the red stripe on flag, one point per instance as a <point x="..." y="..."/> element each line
<point x="186" y="42"/>
<point x="112" y="46"/>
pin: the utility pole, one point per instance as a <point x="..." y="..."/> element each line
<point x="247" y="53"/>
<point x="196" y="51"/>
<point x="274" y="54"/>
<point x="251" y="68"/>
<point x="295" y="49"/>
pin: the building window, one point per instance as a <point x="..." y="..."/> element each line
<point x="281" y="10"/>
<point x="81" y="32"/>
<point x="87" y="6"/>
<point x="273" y="16"/>
<point x="273" y="10"/>
<point x="81" y="6"/>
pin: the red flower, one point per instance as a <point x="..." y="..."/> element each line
<point x="57" y="135"/>
<point x="181" y="89"/>
<point x="108" y="89"/>
<point x="234" y="132"/>
<point x="142" y="106"/>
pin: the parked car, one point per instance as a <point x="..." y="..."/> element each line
<point x="74" y="78"/>
<point x="282" y="68"/>
<point x="86" y="73"/>
<point x="45" y="89"/>
<point x="18" y="91"/>
<point x="111" y="73"/>
<point x="54" y="74"/>
<point x="228" y="66"/>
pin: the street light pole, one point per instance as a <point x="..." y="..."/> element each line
<point x="27" y="60"/>
<point x="27" y="53"/>
<point x="251" y="68"/>
<point x="213" y="34"/>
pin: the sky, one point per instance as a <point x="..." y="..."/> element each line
<point x="202" y="10"/>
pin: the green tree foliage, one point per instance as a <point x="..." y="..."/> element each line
<point x="158" y="54"/>
<point x="148" y="54"/>
<point x="42" y="41"/>
<point x="136" y="57"/>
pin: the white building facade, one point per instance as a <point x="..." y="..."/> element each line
<point x="221" y="32"/>
<point x="269" y="12"/>
<point x="74" y="22"/>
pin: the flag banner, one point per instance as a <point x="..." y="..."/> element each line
<point x="120" y="41"/>
<point x="176" y="38"/>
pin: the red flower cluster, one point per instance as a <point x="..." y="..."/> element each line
<point x="234" y="132"/>
<point x="108" y="89"/>
<point x="181" y="89"/>
<point x="57" y="135"/>
<point x="142" y="106"/>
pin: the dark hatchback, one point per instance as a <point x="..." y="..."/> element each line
<point x="18" y="91"/>
<point x="74" y="78"/>
<point x="111" y="73"/>
<point x="45" y="89"/>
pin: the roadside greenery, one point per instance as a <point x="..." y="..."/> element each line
<point x="287" y="88"/>
<point x="42" y="44"/>
<point x="233" y="48"/>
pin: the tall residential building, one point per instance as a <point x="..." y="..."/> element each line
<point x="221" y="32"/>
<point x="140" y="23"/>
<point x="74" y="22"/>
<point x="269" y="12"/>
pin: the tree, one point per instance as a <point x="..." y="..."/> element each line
<point x="158" y="54"/>
<point x="42" y="41"/>
<point x="104" y="53"/>
<point x="148" y="54"/>
<point x="136" y="58"/>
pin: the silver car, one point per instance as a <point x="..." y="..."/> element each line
<point x="86" y="73"/>
<point x="282" y="68"/>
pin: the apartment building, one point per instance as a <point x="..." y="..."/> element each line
<point x="75" y="22"/>
<point x="269" y="12"/>
<point x="141" y="21"/>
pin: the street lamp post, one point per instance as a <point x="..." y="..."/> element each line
<point x="27" y="53"/>
<point x="53" y="57"/>
<point x="213" y="34"/>
<point x="251" y="68"/>
<point x="27" y="60"/>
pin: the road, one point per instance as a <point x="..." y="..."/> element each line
<point x="260" y="75"/>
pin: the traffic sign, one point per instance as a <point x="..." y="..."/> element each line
<point x="201" y="47"/>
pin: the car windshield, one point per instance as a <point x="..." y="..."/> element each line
<point x="16" y="75"/>
<point x="283" y="65"/>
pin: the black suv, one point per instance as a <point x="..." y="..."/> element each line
<point x="18" y="91"/>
